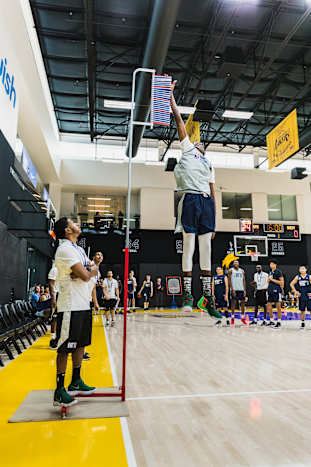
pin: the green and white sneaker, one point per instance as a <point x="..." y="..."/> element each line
<point x="79" y="388"/>
<point x="63" y="399"/>
<point x="187" y="302"/>
<point x="207" y="304"/>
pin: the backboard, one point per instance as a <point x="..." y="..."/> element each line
<point x="245" y="245"/>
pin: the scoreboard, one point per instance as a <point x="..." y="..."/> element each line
<point x="275" y="231"/>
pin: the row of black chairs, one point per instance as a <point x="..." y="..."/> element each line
<point x="19" y="324"/>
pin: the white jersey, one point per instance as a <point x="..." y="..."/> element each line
<point x="237" y="282"/>
<point x="194" y="172"/>
<point x="52" y="276"/>
<point x="74" y="294"/>
<point x="111" y="285"/>
<point x="93" y="281"/>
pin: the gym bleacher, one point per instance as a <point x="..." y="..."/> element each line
<point x="19" y="328"/>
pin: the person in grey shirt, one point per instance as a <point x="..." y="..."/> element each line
<point x="195" y="179"/>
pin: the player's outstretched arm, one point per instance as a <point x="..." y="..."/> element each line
<point x="179" y="121"/>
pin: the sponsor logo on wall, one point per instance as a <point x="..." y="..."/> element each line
<point x="277" y="248"/>
<point x="8" y="95"/>
<point x="134" y="245"/>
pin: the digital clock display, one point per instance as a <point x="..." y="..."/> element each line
<point x="274" y="228"/>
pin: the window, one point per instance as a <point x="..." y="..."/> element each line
<point x="237" y="206"/>
<point x="282" y="208"/>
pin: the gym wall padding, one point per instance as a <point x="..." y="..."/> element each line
<point x="12" y="265"/>
<point x="13" y="250"/>
<point x="157" y="255"/>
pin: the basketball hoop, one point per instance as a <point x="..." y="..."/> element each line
<point x="254" y="255"/>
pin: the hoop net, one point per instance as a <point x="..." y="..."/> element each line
<point x="254" y="255"/>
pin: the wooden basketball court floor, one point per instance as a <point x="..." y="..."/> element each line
<point x="197" y="395"/>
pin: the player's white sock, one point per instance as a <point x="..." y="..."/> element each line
<point x="207" y="285"/>
<point x="187" y="284"/>
<point x="53" y="335"/>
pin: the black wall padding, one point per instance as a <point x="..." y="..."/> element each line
<point x="12" y="265"/>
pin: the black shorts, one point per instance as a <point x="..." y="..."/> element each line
<point x="260" y="297"/>
<point x="239" y="295"/>
<point x="304" y="303"/>
<point x="274" y="296"/>
<point x="131" y="295"/>
<point x="110" y="304"/>
<point x="220" y="302"/>
<point x="198" y="214"/>
<point x="146" y="295"/>
<point x="73" y="330"/>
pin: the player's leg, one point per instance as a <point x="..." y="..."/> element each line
<point x="233" y="305"/>
<point x="63" y="327"/>
<point x="242" y="305"/>
<point x="113" y="303"/>
<point x="302" y="308"/>
<point x="278" y="306"/>
<point x="107" y="308"/>
<point x="206" y="302"/>
<point x="53" y="341"/>
<point x="188" y="251"/>
<point x="270" y="312"/>
<point x="83" y="336"/>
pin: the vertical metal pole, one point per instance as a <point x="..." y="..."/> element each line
<point x="128" y="216"/>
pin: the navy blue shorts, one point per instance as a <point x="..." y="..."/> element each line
<point x="274" y="297"/>
<point x="146" y="295"/>
<point x="239" y="295"/>
<point x="304" y="303"/>
<point x="220" y="302"/>
<point x="131" y="295"/>
<point x="198" y="214"/>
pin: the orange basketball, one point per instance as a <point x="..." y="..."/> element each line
<point x="139" y="295"/>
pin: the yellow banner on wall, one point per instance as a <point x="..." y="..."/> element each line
<point x="283" y="140"/>
<point x="193" y="129"/>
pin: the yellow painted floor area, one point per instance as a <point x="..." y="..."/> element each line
<point x="74" y="443"/>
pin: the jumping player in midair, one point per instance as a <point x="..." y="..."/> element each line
<point x="195" y="180"/>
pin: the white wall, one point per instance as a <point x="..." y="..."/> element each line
<point x="67" y="204"/>
<point x="157" y="208"/>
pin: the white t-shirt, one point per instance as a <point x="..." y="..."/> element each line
<point x="194" y="172"/>
<point x="111" y="285"/>
<point x="261" y="280"/>
<point x="52" y="276"/>
<point x="74" y="294"/>
<point x="93" y="281"/>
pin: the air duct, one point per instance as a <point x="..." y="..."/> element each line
<point x="160" y="30"/>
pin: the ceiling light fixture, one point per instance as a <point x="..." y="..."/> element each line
<point x="99" y="210"/>
<point x="115" y="104"/>
<point x="101" y="199"/>
<point x="240" y="115"/>
<point x="99" y="205"/>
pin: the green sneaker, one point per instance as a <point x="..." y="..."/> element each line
<point x="187" y="302"/>
<point x="63" y="399"/>
<point x="78" y="387"/>
<point x="207" y="304"/>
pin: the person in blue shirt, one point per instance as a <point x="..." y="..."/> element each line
<point x="301" y="288"/>
<point x="275" y="287"/>
<point x="35" y="297"/>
